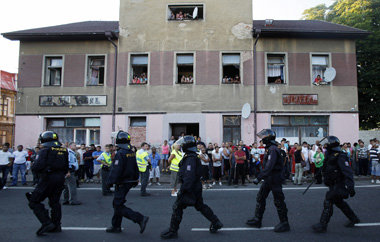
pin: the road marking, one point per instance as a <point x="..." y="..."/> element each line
<point x="83" y="228"/>
<point x="233" y="229"/>
<point x="367" y="224"/>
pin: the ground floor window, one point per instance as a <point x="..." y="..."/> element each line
<point x="300" y="128"/>
<point x="78" y="130"/>
<point x="232" y="129"/>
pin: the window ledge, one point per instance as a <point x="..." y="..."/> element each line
<point x="185" y="83"/>
<point x="231" y="83"/>
<point x="138" y="84"/>
<point x="273" y="84"/>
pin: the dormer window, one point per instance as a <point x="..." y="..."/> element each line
<point x="185" y="12"/>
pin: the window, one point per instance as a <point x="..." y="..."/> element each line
<point x="185" y="68"/>
<point x="232" y="129"/>
<point x="95" y="71"/>
<point x="4" y="102"/>
<point x="276" y="69"/>
<point x="300" y="128"/>
<point x="139" y="69"/>
<point x="185" y="12"/>
<point x="53" y="71"/>
<point x="80" y="130"/>
<point x="137" y="122"/>
<point x="319" y="64"/>
<point x="231" y="68"/>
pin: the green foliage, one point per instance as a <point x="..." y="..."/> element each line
<point x="362" y="14"/>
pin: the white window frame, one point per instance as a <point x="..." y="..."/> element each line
<point x="129" y="78"/>
<point x="175" y="68"/>
<point x="44" y="69"/>
<point x="241" y="70"/>
<point x="286" y="68"/>
<point x="88" y="56"/>
<point x="311" y="65"/>
<point x="185" y="4"/>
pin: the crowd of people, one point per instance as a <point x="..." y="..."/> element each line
<point x="140" y="79"/>
<point x="187" y="79"/>
<point x="231" y="80"/>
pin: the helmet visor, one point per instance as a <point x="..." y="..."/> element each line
<point x="180" y="142"/>
<point x="263" y="133"/>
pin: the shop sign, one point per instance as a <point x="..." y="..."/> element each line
<point x="77" y="100"/>
<point x="300" y="99"/>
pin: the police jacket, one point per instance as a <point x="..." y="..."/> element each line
<point x="272" y="162"/>
<point x="124" y="168"/>
<point x="337" y="169"/>
<point x="190" y="173"/>
<point x="51" y="160"/>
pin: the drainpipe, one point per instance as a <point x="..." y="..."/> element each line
<point x="256" y="34"/>
<point x="109" y="36"/>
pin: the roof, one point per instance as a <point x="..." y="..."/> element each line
<point x="307" y="28"/>
<point x="7" y="80"/>
<point x="89" y="30"/>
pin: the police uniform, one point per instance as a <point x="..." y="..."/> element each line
<point x="273" y="178"/>
<point x="105" y="173"/>
<point x="338" y="176"/>
<point x="124" y="174"/>
<point x="52" y="165"/>
<point x="190" y="194"/>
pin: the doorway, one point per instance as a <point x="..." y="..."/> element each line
<point x="188" y="129"/>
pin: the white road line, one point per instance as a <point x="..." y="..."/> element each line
<point x="367" y="224"/>
<point x="83" y="228"/>
<point x="233" y="229"/>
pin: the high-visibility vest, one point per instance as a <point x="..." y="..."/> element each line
<point x="174" y="166"/>
<point x="141" y="162"/>
<point x="107" y="158"/>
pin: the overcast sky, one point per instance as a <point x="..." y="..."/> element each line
<point x="26" y="14"/>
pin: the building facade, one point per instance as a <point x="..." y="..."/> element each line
<point x="8" y="91"/>
<point x="188" y="67"/>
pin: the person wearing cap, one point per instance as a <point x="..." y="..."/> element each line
<point x="52" y="165"/>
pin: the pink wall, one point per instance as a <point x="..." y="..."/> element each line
<point x="161" y="69"/>
<point x="207" y="68"/>
<point x="345" y="65"/>
<point x="74" y="70"/>
<point x="120" y="123"/>
<point x="299" y="69"/>
<point x="27" y="131"/>
<point x="345" y="126"/>
<point x="154" y="132"/>
<point x="247" y="130"/>
<point x="30" y="71"/>
<point x="105" y="129"/>
<point x="122" y="69"/>
<point x="214" y="129"/>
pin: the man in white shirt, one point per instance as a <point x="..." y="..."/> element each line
<point x="81" y="170"/>
<point x="6" y="159"/>
<point x="19" y="164"/>
<point x="305" y="152"/>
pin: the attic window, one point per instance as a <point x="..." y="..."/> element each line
<point x="185" y="12"/>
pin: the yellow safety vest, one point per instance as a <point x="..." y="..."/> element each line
<point x="174" y="166"/>
<point x="141" y="162"/>
<point x="107" y="159"/>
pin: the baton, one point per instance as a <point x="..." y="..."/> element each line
<point x="308" y="187"/>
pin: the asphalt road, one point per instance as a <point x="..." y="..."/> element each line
<point x="233" y="206"/>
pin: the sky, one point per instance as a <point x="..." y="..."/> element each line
<point x="26" y="14"/>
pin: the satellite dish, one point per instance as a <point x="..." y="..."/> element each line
<point x="246" y="111"/>
<point x="330" y="74"/>
<point x="195" y="13"/>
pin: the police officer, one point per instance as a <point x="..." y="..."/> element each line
<point x="52" y="164"/>
<point x="191" y="190"/>
<point x="273" y="178"/>
<point x="338" y="177"/>
<point x="124" y="174"/>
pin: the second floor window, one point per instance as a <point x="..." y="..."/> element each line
<point x="95" y="71"/>
<point x="319" y="65"/>
<point x="139" y="69"/>
<point x="276" y="69"/>
<point x="185" y="68"/>
<point x="185" y="12"/>
<point x="53" y="71"/>
<point x="231" y="68"/>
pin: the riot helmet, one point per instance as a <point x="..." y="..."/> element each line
<point x="332" y="143"/>
<point x="123" y="140"/>
<point x="49" y="139"/>
<point x="188" y="144"/>
<point x="268" y="136"/>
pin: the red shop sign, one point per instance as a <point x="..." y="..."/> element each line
<point x="300" y="99"/>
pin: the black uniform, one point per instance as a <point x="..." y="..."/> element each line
<point x="125" y="174"/>
<point x="272" y="174"/>
<point x="338" y="176"/>
<point x="190" y="173"/>
<point x="51" y="165"/>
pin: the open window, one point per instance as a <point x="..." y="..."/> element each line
<point x="185" y="68"/>
<point x="95" y="71"/>
<point x="231" y="68"/>
<point x="53" y="71"/>
<point x="139" y="69"/>
<point x="319" y="65"/>
<point x="137" y="122"/>
<point x="185" y="12"/>
<point x="276" y="69"/>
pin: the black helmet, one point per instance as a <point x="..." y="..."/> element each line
<point x="123" y="139"/>
<point x="188" y="144"/>
<point x="332" y="142"/>
<point x="49" y="139"/>
<point x="268" y="136"/>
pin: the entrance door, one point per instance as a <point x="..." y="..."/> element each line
<point x="187" y="129"/>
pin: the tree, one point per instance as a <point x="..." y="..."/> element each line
<point x="362" y="14"/>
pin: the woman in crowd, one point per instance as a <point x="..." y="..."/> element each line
<point x="318" y="160"/>
<point x="217" y="163"/>
<point x="205" y="160"/>
<point x="165" y="156"/>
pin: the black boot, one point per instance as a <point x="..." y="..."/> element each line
<point x="45" y="228"/>
<point x="353" y="219"/>
<point x="214" y="227"/>
<point x="169" y="234"/>
<point x="113" y="230"/>
<point x="57" y="229"/>
<point x="143" y="224"/>
<point x="255" y="222"/>
<point x="351" y="223"/>
<point x="282" y="212"/>
<point x="327" y="212"/>
<point x="319" y="228"/>
<point x="282" y="227"/>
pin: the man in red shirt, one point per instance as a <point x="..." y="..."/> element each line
<point x="240" y="157"/>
